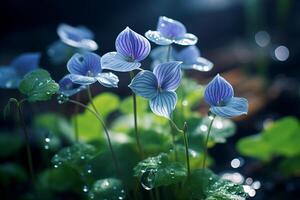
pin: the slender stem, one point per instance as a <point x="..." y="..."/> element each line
<point x="157" y="195"/>
<point x="175" y="126"/>
<point x="169" y="52"/>
<point x="76" y="119"/>
<point x="186" y="144"/>
<point x="26" y="134"/>
<point x="137" y="135"/>
<point x="206" y="142"/>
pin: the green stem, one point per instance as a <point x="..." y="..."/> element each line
<point x="137" y="136"/>
<point x="169" y="52"/>
<point x="26" y="134"/>
<point x="186" y="144"/>
<point x="157" y="195"/>
<point x="206" y="142"/>
<point x="76" y="119"/>
<point x="97" y="114"/>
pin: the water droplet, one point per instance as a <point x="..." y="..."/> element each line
<point x="82" y="157"/>
<point x="55" y="166"/>
<point x="62" y="99"/>
<point x="40" y="84"/>
<point x="91" y="195"/>
<point x="85" y="188"/>
<point x="148" y="179"/>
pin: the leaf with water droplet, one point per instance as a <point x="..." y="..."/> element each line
<point x="38" y="86"/>
<point x="109" y="188"/>
<point x="75" y="156"/>
<point x="159" y="171"/>
<point x="204" y="184"/>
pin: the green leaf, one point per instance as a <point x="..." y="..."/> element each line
<point x="38" y="86"/>
<point x="10" y="173"/>
<point x="11" y="144"/>
<point x="105" y="104"/>
<point x="75" y="156"/>
<point x="109" y="188"/>
<point x="126" y="105"/>
<point x="159" y="171"/>
<point x="54" y="123"/>
<point x="204" y="184"/>
<point x="290" y="166"/>
<point x="59" y="179"/>
<point x="277" y="140"/>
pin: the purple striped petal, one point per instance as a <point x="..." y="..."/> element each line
<point x="26" y="62"/>
<point x="116" y="62"/>
<point x="168" y="75"/>
<point x="164" y="103"/>
<point x="170" y="28"/>
<point x="235" y="107"/>
<point x="79" y="37"/>
<point x="218" y="92"/>
<point x="108" y="79"/>
<point x="82" y="80"/>
<point x="132" y="45"/>
<point x="68" y="88"/>
<point x="144" y="84"/>
<point x="86" y="64"/>
<point x="188" y="55"/>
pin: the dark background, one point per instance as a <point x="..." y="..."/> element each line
<point x="226" y="30"/>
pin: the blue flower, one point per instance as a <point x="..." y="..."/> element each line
<point x="85" y="69"/>
<point x="68" y="88"/>
<point x="159" y="87"/>
<point x="11" y="75"/>
<point x="171" y="31"/>
<point x="220" y="96"/>
<point x="131" y="49"/>
<point x="78" y="37"/>
<point x="189" y="56"/>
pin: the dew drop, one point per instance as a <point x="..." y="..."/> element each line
<point x="148" y="179"/>
<point x="85" y="188"/>
<point x="55" y="166"/>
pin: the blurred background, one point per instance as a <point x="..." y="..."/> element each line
<point x="255" y="44"/>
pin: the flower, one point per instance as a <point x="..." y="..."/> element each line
<point x="131" y="49"/>
<point x="85" y="69"/>
<point x="68" y="88"/>
<point x="220" y="96"/>
<point x="190" y="57"/>
<point x="78" y="37"/>
<point x="171" y="31"/>
<point x="11" y="75"/>
<point x="159" y="87"/>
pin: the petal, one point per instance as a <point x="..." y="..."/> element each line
<point x="218" y="91"/>
<point x="201" y="64"/>
<point x="132" y="45"/>
<point x="59" y="52"/>
<point x="117" y="62"/>
<point x="168" y="75"/>
<point x="79" y="37"/>
<point x="235" y="107"/>
<point x="108" y="79"/>
<point x="164" y="103"/>
<point x="82" y="80"/>
<point x="68" y="88"/>
<point x="170" y="28"/>
<point x="144" y="84"/>
<point x="187" y="39"/>
<point x="9" y="78"/>
<point x="188" y="55"/>
<point x="157" y="38"/>
<point x="85" y="64"/>
<point x="26" y="62"/>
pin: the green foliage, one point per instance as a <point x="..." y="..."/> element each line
<point x="159" y="171"/>
<point x="38" y="86"/>
<point x="11" y="142"/>
<point x="126" y="105"/>
<point x="109" y="188"/>
<point x="89" y="127"/>
<point x="75" y="156"/>
<point x="11" y="173"/>
<point x="277" y="140"/>
<point x="290" y="166"/>
<point x="204" y="184"/>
